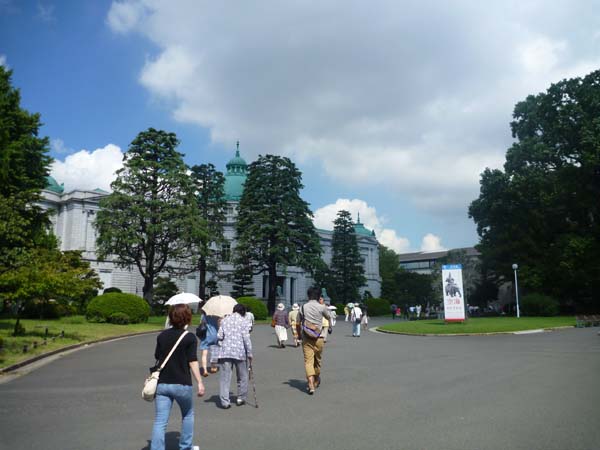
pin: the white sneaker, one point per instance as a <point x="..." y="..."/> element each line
<point x="196" y="447"/>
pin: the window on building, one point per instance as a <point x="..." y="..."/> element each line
<point x="226" y="252"/>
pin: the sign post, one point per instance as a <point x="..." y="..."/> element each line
<point x="452" y="289"/>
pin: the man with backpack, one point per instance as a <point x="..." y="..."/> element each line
<point x="355" y="319"/>
<point x="310" y="324"/>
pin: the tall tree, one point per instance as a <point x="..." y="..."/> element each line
<point x="389" y="265"/>
<point x="24" y="165"/>
<point x="542" y="211"/>
<point x="210" y="200"/>
<point x="242" y="277"/>
<point x="149" y="220"/>
<point x="274" y="225"/>
<point x="347" y="270"/>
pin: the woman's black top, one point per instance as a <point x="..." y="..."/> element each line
<point x="177" y="370"/>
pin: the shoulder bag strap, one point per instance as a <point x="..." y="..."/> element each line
<point x="173" y="349"/>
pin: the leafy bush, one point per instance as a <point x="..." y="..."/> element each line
<point x="258" y="308"/>
<point x="102" y="307"/>
<point x="378" y="307"/>
<point x="112" y="289"/>
<point x="1" y="343"/>
<point x="119" y="318"/>
<point x="339" y="309"/>
<point x="65" y="310"/>
<point x="539" y="305"/>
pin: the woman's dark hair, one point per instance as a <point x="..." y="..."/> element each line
<point x="180" y="316"/>
<point x="240" y="309"/>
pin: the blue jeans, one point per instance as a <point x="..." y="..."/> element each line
<point x="355" y="329"/>
<point x="165" y="394"/>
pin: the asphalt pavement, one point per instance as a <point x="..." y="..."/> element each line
<point x="379" y="391"/>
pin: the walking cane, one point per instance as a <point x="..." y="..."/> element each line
<point x="251" y="374"/>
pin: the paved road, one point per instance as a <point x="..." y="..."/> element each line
<point x="536" y="391"/>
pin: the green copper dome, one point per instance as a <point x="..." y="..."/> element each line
<point x="361" y="230"/>
<point x="52" y="185"/>
<point x="235" y="177"/>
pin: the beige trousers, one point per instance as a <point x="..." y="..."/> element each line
<point x="313" y="352"/>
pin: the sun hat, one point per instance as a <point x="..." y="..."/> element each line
<point x="280" y="307"/>
<point x="350" y="305"/>
<point x="295" y="306"/>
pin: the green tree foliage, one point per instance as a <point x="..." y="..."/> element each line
<point x="242" y="277"/>
<point x="378" y="307"/>
<point x="24" y="165"/>
<point x="401" y="287"/>
<point x="274" y="225"/>
<point x="542" y="211"/>
<point x="347" y="270"/>
<point x="210" y="200"/>
<point x="150" y="220"/>
<point x="164" y="289"/>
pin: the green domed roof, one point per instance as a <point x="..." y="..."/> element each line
<point x="235" y="177"/>
<point x="361" y="230"/>
<point x="52" y="185"/>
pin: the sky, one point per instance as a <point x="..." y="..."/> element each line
<point x="390" y="109"/>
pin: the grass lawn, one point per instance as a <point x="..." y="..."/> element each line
<point x="478" y="325"/>
<point x="76" y="329"/>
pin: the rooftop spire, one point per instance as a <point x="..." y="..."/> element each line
<point x="358" y="219"/>
<point x="237" y="152"/>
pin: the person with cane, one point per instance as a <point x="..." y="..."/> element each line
<point x="235" y="352"/>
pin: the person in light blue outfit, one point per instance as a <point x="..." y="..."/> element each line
<point x="209" y="343"/>
<point x="175" y="379"/>
<point x="234" y="352"/>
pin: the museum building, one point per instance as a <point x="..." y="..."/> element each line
<point x="73" y="218"/>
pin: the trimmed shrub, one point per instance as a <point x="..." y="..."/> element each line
<point x="378" y="307"/>
<point x="258" y="308"/>
<point x="112" y="289"/>
<point x="119" y="318"/>
<point x="539" y="305"/>
<point x="339" y="309"/>
<point x="102" y="307"/>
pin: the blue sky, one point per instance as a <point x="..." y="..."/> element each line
<point x="389" y="108"/>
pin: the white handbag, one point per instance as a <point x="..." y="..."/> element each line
<point x="151" y="383"/>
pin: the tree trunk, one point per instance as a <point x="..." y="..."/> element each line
<point x="272" y="288"/>
<point x="148" y="289"/>
<point x="202" y="269"/>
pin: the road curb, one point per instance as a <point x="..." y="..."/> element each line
<point x="8" y="369"/>
<point x="521" y="332"/>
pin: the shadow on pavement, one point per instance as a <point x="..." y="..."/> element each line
<point x="298" y="384"/>
<point x="171" y="441"/>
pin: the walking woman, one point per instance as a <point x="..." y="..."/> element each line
<point x="175" y="380"/>
<point x="294" y="321"/>
<point x="282" y="323"/>
<point x="210" y="340"/>
<point x="234" y="352"/>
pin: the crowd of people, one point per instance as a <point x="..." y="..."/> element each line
<point x="225" y="347"/>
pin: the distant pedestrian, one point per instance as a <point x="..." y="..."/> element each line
<point x="175" y="379"/>
<point x="355" y="319"/>
<point x="249" y="318"/>
<point x="418" y="311"/>
<point x="294" y="320"/>
<point x="326" y="327"/>
<point x="234" y="352"/>
<point x="282" y="323"/>
<point x="346" y="312"/>
<point x="393" y="308"/>
<point x="311" y="322"/>
<point x="208" y="343"/>
<point x="364" y="319"/>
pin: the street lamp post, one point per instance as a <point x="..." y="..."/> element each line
<point x="515" y="267"/>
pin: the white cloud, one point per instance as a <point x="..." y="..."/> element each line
<point x="124" y="16"/>
<point x="58" y="146"/>
<point x="324" y="217"/>
<point x="89" y="170"/>
<point x="366" y="90"/>
<point x="431" y="243"/>
<point x="45" y="12"/>
<point x="3" y="61"/>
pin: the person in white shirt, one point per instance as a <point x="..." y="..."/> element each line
<point x="355" y="318"/>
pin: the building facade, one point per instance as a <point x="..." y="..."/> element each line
<point x="73" y="223"/>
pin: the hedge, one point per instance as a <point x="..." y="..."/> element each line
<point x="101" y="308"/>
<point x="378" y="307"/>
<point x="539" y="305"/>
<point x="257" y="306"/>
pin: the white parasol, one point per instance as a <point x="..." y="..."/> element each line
<point x="184" y="298"/>
<point x="219" y="305"/>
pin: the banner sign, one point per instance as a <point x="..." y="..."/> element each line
<point x="452" y="288"/>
